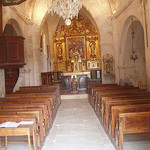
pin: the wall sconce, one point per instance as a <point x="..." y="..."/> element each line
<point x="134" y="55"/>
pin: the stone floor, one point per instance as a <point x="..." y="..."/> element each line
<point x="76" y="127"/>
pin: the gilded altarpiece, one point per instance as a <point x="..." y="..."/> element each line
<point x="76" y="47"/>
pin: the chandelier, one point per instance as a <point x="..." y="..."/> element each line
<point x="133" y="56"/>
<point x="67" y="9"/>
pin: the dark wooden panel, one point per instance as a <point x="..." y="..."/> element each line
<point x="80" y="85"/>
<point x="46" y="78"/>
<point x="12" y="51"/>
<point x="56" y="77"/>
<point x="66" y="83"/>
<point x="21" y="50"/>
<point x="11" y="77"/>
<point x="82" y="82"/>
<point x="2" y="52"/>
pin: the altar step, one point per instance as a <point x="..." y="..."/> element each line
<point x="74" y="96"/>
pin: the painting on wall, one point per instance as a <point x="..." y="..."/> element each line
<point x="75" y="45"/>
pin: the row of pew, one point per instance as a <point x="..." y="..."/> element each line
<point x="38" y="104"/>
<point x="122" y="110"/>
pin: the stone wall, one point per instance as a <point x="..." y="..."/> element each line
<point x="125" y="11"/>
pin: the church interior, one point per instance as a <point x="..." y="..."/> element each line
<point x="75" y="74"/>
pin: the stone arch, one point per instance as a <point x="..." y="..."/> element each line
<point x="14" y="25"/>
<point x="128" y="68"/>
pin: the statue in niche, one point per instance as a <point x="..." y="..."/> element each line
<point x="92" y="46"/>
<point x="59" y="52"/>
<point x="84" y="65"/>
<point x="107" y="67"/>
<point x="108" y="64"/>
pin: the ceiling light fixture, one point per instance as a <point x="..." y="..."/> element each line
<point x="134" y="55"/>
<point x="67" y="9"/>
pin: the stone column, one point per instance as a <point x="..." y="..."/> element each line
<point x="147" y="49"/>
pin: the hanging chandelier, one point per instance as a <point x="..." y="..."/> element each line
<point x="133" y="56"/>
<point x="67" y="9"/>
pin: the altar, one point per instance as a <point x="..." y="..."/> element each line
<point x="75" y="82"/>
<point x="77" y="54"/>
<point x="76" y="47"/>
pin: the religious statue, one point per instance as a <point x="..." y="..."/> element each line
<point x="76" y="60"/>
<point x="92" y="46"/>
<point x="74" y="83"/>
<point x="59" y="52"/>
<point x="108" y="64"/>
<point x="108" y="67"/>
<point x="84" y="65"/>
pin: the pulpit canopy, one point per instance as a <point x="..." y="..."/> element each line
<point x="12" y="2"/>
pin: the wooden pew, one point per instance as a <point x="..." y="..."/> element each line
<point x="91" y="92"/>
<point x="28" y="106"/>
<point x="52" y="103"/>
<point x="120" y="93"/>
<point x="22" y="130"/>
<point x="52" y="94"/>
<point x="39" y="100"/>
<point x="116" y="110"/>
<point x="29" y="100"/>
<point x="38" y="115"/>
<point x="109" y="104"/>
<point x="21" y="101"/>
<point x="97" y="93"/>
<point x="57" y="87"/>
<point x="99" y="85"/>
<point x="117" y="93"/>
<point x="41" y="89"/>
<point x="99" y="108"/>
<point x="103" y="99"/>
<point x="116" y="90"/>
<point x="133" y="123"/>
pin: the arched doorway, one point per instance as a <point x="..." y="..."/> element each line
<point x="132" y="51"/>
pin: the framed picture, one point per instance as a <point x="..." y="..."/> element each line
<point x="74" y="45"/>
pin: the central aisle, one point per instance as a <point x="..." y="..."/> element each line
<point x="76" y="127"/>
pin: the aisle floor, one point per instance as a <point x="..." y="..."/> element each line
<point x="76" y="127"/>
